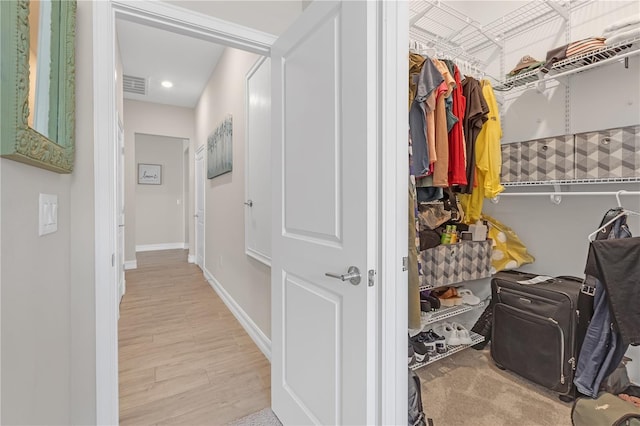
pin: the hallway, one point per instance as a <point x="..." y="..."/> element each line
<point x="183" y="357"/>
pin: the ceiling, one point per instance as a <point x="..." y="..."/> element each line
<point x="158" y="55"/>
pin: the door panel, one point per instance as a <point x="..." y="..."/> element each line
<point x="307" y="305"/>
<point x="324" y="208"/>
<point x="320" y="157"/>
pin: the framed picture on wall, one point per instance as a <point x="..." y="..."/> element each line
<point x="149" y="174"/>
<point x="220" y="149"/>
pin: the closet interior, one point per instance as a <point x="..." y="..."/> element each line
<point x="524" y="131"/>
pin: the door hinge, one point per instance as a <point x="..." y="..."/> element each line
<point x="405" y="263"/>
<point x="372" y="275"/>
<point x="113" y="259"/>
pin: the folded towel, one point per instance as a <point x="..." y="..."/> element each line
<point x="622" y="36"/>
<point x="553" y="56"/>
<point x="633" y="20"/>
<point x="586" y="45"/>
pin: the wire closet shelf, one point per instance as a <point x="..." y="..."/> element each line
<point x="447" y="29"/>
<point x="575" y="64"/>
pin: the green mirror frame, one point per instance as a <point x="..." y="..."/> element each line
<point x="18" y="141"/>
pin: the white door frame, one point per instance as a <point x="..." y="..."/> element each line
<point x="392" y="184"/>
<point x="197" y="187"/>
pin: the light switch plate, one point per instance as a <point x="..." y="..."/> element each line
<point x="48" y="208"/>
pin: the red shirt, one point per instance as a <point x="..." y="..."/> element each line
<point x="457" y="158"/>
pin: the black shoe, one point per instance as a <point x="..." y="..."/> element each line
<point x="412" y="355"/>
<point x="428" y="340"/>
<point x="419" y="349"/>
<point x="441" y="344"/>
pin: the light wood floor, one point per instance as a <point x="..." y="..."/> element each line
<point x="184" y="359"/>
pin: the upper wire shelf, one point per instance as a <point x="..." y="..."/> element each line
<point x="575" y="64"/>
<point x="523" y="19"/>
<point x="433" y="19"/>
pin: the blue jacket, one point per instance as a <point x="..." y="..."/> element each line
<point x="603" y="348"/>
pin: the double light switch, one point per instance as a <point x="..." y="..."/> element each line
<point x="48" y="214"/>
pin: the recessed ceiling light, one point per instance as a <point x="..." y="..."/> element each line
<point x="167" y="84"/>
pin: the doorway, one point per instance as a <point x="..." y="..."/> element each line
<point x="144" y="120"/>
<point x="390" y="246"/>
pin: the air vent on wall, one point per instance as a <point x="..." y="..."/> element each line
<point x="137" y="85"/>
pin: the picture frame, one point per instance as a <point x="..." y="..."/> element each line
<point x="220" y="149"/>
<point x="49" y="141"/>
<point x="149" y="174"/>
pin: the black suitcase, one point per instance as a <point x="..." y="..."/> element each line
<point x="537" y="330"/>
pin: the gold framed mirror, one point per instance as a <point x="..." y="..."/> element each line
<point x="37" y="88"/>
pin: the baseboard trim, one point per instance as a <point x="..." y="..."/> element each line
<point x="165" y="246"/>
<point x="191" y="258"/>
<point x="258" y="337"/>
<point x="130" y="264"/>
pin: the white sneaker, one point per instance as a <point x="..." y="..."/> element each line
<point x="468" y="297"/>
<point x="463" y="334"/>
<point x="450" y="334"/>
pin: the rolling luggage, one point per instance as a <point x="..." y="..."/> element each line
<point x="536" y="328"/>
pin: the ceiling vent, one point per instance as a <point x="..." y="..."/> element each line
<point x="137" y="85"/>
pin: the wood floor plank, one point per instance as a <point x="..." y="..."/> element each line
<point x="183" y="357"/>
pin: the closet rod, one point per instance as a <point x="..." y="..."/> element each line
<point x="556" y="197"/>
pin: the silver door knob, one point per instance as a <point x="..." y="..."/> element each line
<point x="249" y="203"/>
<point x="352" y="275"/>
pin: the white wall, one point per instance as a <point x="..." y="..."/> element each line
<point x="48" y="326"/>
<point x="245" y="279"/>
<point x="151" y="119"/>
<point x="269" y="16"/>
<point x="159" y="208"/>
<point x="35" y="299"/>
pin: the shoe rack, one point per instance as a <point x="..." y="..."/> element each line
<point x="451" y="349"/>
<point x="441" y="315"/>
<point x="445" y="313"/>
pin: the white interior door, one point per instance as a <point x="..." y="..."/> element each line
<point x="258" y="162"/>
<point x="199" y="204"/>
<point x="120" y="211"/>
<point x="324" y="184"/>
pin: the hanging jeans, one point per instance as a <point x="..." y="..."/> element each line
<point x="602" y="349"/>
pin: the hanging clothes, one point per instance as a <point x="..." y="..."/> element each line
<point x="441" y="166"/>
<point x="603" y="347"/>
<point x="427" y="80"/>
<point x="424" y="78"/>
<point x="457" y="157"/>
<point x="619" y="270"/>
<point x="488" y="159"/>
<point x="413" y="268"/>
<point x="415" y="66"/>
<point x="451" y="117"/>
<point x="475" y="116"/>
